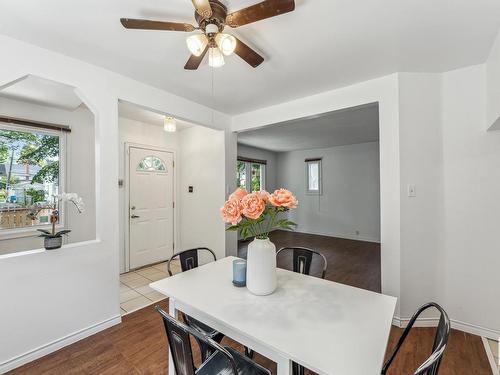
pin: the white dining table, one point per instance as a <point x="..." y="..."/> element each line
<point x="330" y="328"/>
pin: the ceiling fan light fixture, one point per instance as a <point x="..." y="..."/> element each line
<point x="226" y="43"/>
<point x="197" y="43"/>
<point x="169" y="124"/>
<point x="215" y="58"/>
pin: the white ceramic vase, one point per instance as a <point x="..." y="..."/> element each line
<point x="261" y="267"/>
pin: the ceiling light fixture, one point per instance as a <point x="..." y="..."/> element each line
<point x="169" y="124"/>
<point x="226" y="43"/>
<point x="212" y="17"/>
<point x="215" y="58"/>
<point x="197" y="43"/>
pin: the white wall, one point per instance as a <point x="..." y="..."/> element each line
<point x="449" y="246"/>
<point x="79" y="156"/>
<point x="140" y="133"/>
<point x="203" y="167"/>
<point x="271" y="166"/>
<point x="471" y="155"/>
<point x="63" y="284"/>
<point x="350" y="200"/>
<point x="493" y="86"/>
<point x="422" y="166"/>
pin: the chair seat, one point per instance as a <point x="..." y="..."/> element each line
<point x="219" y="364"/>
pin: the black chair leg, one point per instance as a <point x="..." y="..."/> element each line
<point x="297" y="369"/>
<point x="249" y="353"/>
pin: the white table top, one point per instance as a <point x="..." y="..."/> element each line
<point x="327" y="327"/>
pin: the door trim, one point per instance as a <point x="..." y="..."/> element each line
<point x="126" y="203"/>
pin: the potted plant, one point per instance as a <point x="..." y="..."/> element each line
<point x="256" y="215"/>
<point x="53" y="239"/>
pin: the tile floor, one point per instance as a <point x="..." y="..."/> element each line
<point x="494" y="350"/>
<point x="135" y="292"/>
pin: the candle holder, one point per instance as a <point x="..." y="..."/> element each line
<point x="239" y="273"/>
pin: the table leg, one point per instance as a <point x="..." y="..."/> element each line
<point x="173" y="312"/>
<point x="284" y="367"/>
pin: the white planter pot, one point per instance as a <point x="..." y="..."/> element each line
<point x="261" y="267"/>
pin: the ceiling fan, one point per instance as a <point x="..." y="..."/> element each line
<point x="212" y="18"/>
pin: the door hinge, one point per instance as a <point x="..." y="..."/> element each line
<point x="173" y="164"/>
<point x="173" y="246"/>
<point x="173" y="204"/>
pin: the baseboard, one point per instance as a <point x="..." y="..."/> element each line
<point x="57" y="344"/>
<point x="455" y="324"/>
<point x="339" y="235"/>
<point x="491" y="358"/>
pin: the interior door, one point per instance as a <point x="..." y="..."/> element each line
<point x="151" y="213"/>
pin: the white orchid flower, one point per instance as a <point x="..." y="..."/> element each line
<point x="73" y="198"/>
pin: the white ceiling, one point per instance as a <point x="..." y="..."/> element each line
<point x="344" y="127"/>
<point x="324" y="44"/>
<point x="141" y="114"/>
<point x="42" y="91"/>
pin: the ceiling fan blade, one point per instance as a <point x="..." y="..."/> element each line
<point x="260" y="11"/>
<point x="203" y="8"/>
<point x="130" y="23"/>
<point x="248" y="54"/>
<point x="194" y="61"/>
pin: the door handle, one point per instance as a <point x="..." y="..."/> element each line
<point x="135" y="216"/>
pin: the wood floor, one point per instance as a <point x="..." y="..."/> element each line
<point x="138" y="345"/>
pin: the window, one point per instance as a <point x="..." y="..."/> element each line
<point x="151" y="164"/>
<point x="30" y="175"/>
<point x="313" y="176"/>
<point x="251" y="174"/>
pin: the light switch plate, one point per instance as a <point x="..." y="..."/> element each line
<point x="412" y="191"/>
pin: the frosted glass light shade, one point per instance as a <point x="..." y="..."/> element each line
<point x="215" y="58"/>
<point x="226" y="43"/>
<point x="169" y="124"/>
<point x="197" y="44"/>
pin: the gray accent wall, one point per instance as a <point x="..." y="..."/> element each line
<point x="349" y="206"/>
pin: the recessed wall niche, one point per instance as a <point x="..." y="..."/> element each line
<point x="47" y="147"/>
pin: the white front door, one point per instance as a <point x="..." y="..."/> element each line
<point x="151" y="212"/>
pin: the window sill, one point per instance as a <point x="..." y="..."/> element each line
<point x="12" y="234"/>
<point x="42" y="250"/>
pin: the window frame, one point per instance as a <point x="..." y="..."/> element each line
<point x="319" y="162"/>
<point x="248" y="172"/>
<point x="13" y="233"/>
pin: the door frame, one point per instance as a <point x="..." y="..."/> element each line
<point x="126" y="203"/>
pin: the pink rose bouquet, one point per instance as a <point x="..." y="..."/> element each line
<point x="257" y="214"/>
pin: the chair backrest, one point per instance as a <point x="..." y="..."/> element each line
<point x="178" y="336"/>
<point x="303" y="259"/>
<point x="189" y="258"/>
<point x="431" y="365"/>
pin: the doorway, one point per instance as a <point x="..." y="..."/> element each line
<point x="150" y="205"/>
<point x="331" y="162"/>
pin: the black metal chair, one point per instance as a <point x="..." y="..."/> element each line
<point x="189" y="259"/>
<point x="303" y="259"/>
<point x="224" y="360"/>
<point x="431" y="365"/>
